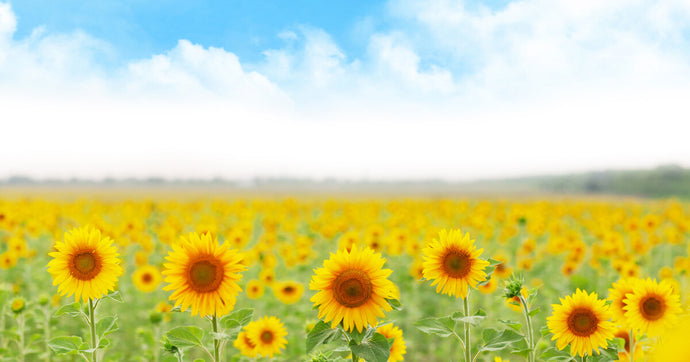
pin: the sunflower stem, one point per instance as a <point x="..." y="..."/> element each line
<point x="631" y="344"/>
<point x="216" y="341"/>
<point x="468" y="344"/>
<point x="92" y="325"/>
<point x="530" y="332"/>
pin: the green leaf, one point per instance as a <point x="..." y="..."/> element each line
<point x="237" y="319"/>
<point x="552" y="354"/>
<point x="115" y="295"/>
<point x="544" y="331"/>
<point x="72" y="310"/>
<point x="364" y="335"/>
<point x="496" y="341"/>
<point x="106" y="326"/>
<point x="375" y="349"/>
<point x="322" y="333"/>
<point x="512" y="324"/>
<point x="65" y="345"/>
<point x="103" y="343"/>
<point x="394" y="303"/>
<point x="473" y="320"/>
<point x="185" y="336"/>
<point x="534" y="312"/>
<point x="442" y="327"/>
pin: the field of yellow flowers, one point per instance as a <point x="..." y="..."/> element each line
<point x="317" y="279"/>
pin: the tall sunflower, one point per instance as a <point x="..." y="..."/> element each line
<point x="452" y="262"/>
<point x="268" y="336"/>
<point x="581" y="321"/>
<point x="398" y="349"/>
<point x="617" y="295"/>
<point x="86" y="264"/>
<point x="652" y="307"/>
<point x="203" y="275"/>
<point x="245" y="345"/>
<point x="353" y="288"/>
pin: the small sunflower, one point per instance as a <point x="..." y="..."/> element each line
<point x="245" y="345"/>
<point x="652" y="307"/>
<point x="288" y="292"/>
<point x="398" y="349"/>
<point x="268" y="335"/>
<point x="86" y="264"/>
<point x="146" y="278"/>
<point x="452" y="261"/>
<point x="203" y="275"/>
<point x="617" y="295"/>
<point x="581" y="321"/>
<point x="254" y="289"/>
<point x="353" y="288"/>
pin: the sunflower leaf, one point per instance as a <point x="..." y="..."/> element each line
<point x="115" y="295"/>
<point x="237" y="319"/>
<point x="533" y="312"/>
<point x="473" y="320"/>
<point x="376" y="349"/>
<point x="394" y="303"/>
<point x="496" y="341"/>
<point x="442" y="327"/>
<point x="66" y="344"/>
<point x="364" y="335"/>
<point x="322" y="333"/>
<point x="512" y="324"/>
<point x="72" y="310"/>
<point x="185" y="336"/>
<point x="552" y="354"/>
<point x="106" y="326"/>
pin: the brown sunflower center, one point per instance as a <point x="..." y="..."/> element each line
<point x="205" y="275"/>
<point x="147" y="278"/>
<point x="457" y="263"/>
<point x="289" y="289"/>
<point x="582" y="322"/>
<point x="652" y="308"/>
<point x="85" y="266"/>
<point x="352" y="288"/>
<point x="267" y="336"/>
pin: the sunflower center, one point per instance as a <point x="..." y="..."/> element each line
<point x="85" y="266"/>
<point x="267" y="336"/>
<point x="205" y="275"/>
<point x="147" y="278"/>
<point x="652" y="308"/>
<point x="289" y="289"/>
<point x="352" y="288"/>
<point x="582" y="322"/>
<point x="457" y="264"/>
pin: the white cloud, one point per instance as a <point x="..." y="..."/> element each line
<point x="538" y="86"/>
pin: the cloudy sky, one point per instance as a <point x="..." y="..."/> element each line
<point x="367" y="89"/>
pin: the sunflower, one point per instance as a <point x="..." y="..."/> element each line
<point x="267" y="276"/>
<point x="673" y="345"/>
<point x="581" y="320"/>
<point x="288" y="292"/>
<point x="245" y="345"/>
<point x="652" y="307"/>
<point x="203" y="275"/>
<point x="453" y="263"/>
<point x="624" y="356"/>
<point x="617" y="296"/>
<point x="398" y="349"/>
<point x="146" y="278"/>
<point x="268" y="335"/>
<point x="352" y="288"/>
<point x="86" y="264"/>
<point x="255" y="289"/>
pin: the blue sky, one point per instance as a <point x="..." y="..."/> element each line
<point x="447" y="89"/>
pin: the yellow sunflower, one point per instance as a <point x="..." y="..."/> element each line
<point x="146" y="278"/>
<point x="203" y="275"/>
<point x="398" y="349"/>
<point x="353" y="288"/>
<point x="245" y="345"/>
<point x="652" y="307"/>
<point x="86" y="264"/>
<point x="288" y="292"/>
<point x="617" y="295"/>
<point x="255" y="289"/>
<point x="452" y="261"/>
<point x="673" y="344"/>
<point x="581" y="321"/>
<point x="268" y="335"/>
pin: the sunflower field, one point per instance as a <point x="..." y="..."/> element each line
<point x="239" y="278"/>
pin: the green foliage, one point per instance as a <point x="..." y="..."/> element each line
<point x="374" y="348"/>
<point x="322" y="333"/>
<point x="186" y="336"/>
<point x="441" y="326"/>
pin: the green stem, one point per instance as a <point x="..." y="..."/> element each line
<point x="46" y="331"/>
<point x="584" y="357"/>
<point x="20" y="330"/>
<point x="631" y="344"/>
<point x="216" y="341"/>
<point x="92" y="325"/>
<point x="468" y="344"/>
<point x="530" y="335"/>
